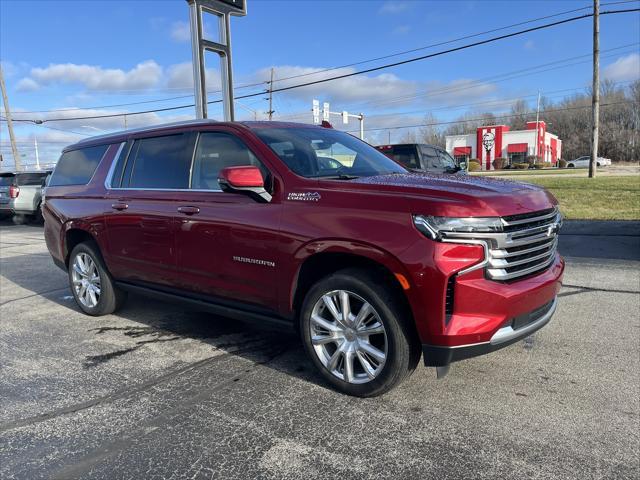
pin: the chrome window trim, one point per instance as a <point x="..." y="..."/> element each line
<point x="193" y="158"/>
<point x="168" y="190"/>
<point x="112" y="168"/>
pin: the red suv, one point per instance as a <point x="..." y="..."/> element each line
<point x="310" y="228"/>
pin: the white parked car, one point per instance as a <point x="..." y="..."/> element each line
<point x="583" y="162"/>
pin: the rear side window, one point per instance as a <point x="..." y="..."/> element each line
<point x="30" y="179"/>
<point x="159" y="162"/>
<point x="76" y="167"/>
<point x="406" y="155"/>
<point x="7" y="180"/>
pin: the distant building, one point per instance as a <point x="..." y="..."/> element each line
<point x="491" y="142"/>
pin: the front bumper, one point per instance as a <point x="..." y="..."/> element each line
<point x="517" y="329"/>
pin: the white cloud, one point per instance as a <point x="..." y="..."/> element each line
<point x="394" y="7"/>
<point x="180" y="76"/>
<point x="180" y="31"/>
<point x="27" y="85"/>
<point x="624" y="68"/>
<point x="356" y="88"/>
<point x="144" y="75"/>
<point x="529" y="45"/>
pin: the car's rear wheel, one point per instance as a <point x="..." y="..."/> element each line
<point x="353" y="328"/>
<point x="91" y="284"/>
<point x="37" y="217"/>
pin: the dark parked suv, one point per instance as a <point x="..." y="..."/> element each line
<point x="422" y="157"/>
<point x="310" y="228"/>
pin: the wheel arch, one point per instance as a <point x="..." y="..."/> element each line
<point x="74" y="233"/>
<point x="319" y="259"/>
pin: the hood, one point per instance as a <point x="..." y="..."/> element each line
<point x="459" y="195"/>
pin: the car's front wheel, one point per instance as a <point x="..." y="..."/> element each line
<point x="91" y="284"/>
<point x="353" y="328"/>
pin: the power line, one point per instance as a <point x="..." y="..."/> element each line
<point x="466" y="37"/>
<point x="451" y="50"/>
<point x="495" y="79"/>
<point x="479" y="119"/>
<point x="361" y="72"/>
<point x="361" y="62"/>
<point x="490" y="103"/>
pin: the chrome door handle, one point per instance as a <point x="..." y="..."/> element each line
<point x="189" y="210"/>
<point x="119" y="206"/>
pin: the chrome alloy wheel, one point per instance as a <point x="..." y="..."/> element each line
<point x="86" y="280"/>
<point x="348" y="336"/>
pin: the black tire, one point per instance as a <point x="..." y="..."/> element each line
<point x="403" y="347"/>
<point x="111" y="297"/>
<point x="19" y="219"/>
<point x="571" y="165"/>
<point x="37" y="217"/>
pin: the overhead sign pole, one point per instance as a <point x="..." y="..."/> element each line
<point x="326" y="115"/>
<point x="223" y="9"/>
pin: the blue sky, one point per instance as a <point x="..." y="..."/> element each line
<point x="81" y="55"/>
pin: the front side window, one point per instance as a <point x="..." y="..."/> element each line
<point x="446" y="160"/>
<point x="76" y="167"/>
<point x="159" y="162"/>
<point x="326" y="153"/>
<point x="216" y="151"/>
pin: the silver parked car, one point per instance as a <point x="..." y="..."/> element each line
<point x="21" y="193"/>
<point x="583" y="162"/>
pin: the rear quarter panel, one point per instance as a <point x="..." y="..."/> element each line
<point x="78" y="207"/>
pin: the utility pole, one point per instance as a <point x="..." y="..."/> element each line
<point x="271" y="112"/>
<point x="595" y="98"/>
<point x="537" y="128"/>
<point x="35" y="144"/>
<point x="362" y="126"/>
<point x="7" y="114"/>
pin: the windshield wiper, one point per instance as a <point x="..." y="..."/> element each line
<point x="342" y="176"/>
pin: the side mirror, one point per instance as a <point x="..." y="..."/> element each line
<point x="245" y="179"/>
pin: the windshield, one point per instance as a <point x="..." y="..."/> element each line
<point x="326" y="153"/>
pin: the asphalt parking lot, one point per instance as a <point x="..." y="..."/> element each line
<point x="157" y="391"/>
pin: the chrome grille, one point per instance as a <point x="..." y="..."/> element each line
<point x="528" y="245"/>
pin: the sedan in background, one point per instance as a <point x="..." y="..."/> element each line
<point x="583" y="162"/>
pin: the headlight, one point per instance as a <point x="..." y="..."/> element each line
<point x="437" y="227"/>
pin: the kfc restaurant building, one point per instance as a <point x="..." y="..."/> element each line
<point x="496" y="141"/>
